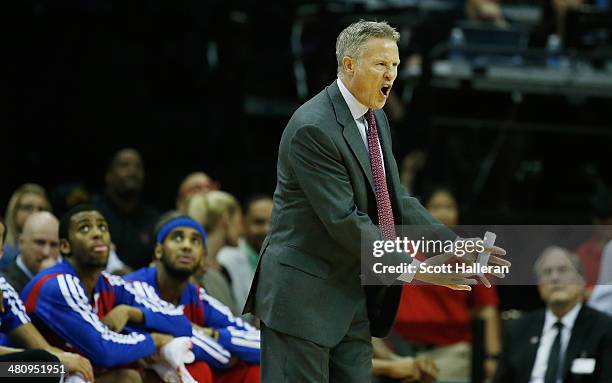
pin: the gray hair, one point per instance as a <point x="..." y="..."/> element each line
<point x="352" y="40"/>
<point x="573" y="258"/>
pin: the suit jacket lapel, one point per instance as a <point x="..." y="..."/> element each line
<point x="534" y="336"/>
<point x="350" y="131"/>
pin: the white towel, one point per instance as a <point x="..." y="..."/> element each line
<point x="176" y="354"/>
<point x="75" y="378"/>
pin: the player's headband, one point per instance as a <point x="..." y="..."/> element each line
<point x="180" y="222"/>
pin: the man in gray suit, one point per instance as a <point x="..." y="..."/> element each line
<point x="337" y="179"/>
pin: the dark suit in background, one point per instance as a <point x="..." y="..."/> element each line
<point x="15" y="276"/>
<point x="591" y="338"/>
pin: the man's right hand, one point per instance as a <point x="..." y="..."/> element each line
<point x="75" y="363"/>
<point x="461" y="281"/>
<point x="454" y="281"/>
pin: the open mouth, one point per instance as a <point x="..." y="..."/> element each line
<point x="385" y="90"/>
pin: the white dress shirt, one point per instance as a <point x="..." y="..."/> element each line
<point x="358" y="111"/>
<point x="549" y="333"/>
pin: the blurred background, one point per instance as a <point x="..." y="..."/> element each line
<point x="507" y="101"/>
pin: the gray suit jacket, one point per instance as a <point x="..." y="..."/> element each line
<point x="307" y="282"/>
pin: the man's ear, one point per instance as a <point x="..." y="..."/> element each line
<point x="158" y="251"/>
<point x="348" y="64"/>
<point x="64" y="246"/>
<point x="21" y="241"/>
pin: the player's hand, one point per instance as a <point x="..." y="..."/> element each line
<point x="404" y="368"/>
<point x="75" y="363"/>
<point x="1" y="302"/>
<point x="428" y="369"/>
<point x="118" y="317"/>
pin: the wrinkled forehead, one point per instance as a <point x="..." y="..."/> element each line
<point x="380" y="48"/>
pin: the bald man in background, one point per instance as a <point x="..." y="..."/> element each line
<point x="193" y="183"/>
<point x="39" y="249"/>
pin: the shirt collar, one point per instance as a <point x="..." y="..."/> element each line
<point x="568" y="319"/>
<point x="357" y="108"/>
<point x="23" y="267"/>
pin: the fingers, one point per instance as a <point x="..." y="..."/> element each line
<point x="495" y="250"/>
<point x="78" y="364"/>
<point x="88" y="370"/>
<point x="440" y="259"/>
<point x="458" y="287"/>
<point x="428" y="369"/>
<point x="460" y="280"/>
<point x="485" y="281"/>
<point x="499" y="261"/>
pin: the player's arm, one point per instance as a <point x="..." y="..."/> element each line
<point x="155" y="313"/>
<point x="240" y="338"/>
<point x="63" y="307"/>
<point x="162" y="316"/>
<point x="9" y="350"/>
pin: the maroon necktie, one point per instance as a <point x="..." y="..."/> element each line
<point x="383" y="203"/>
